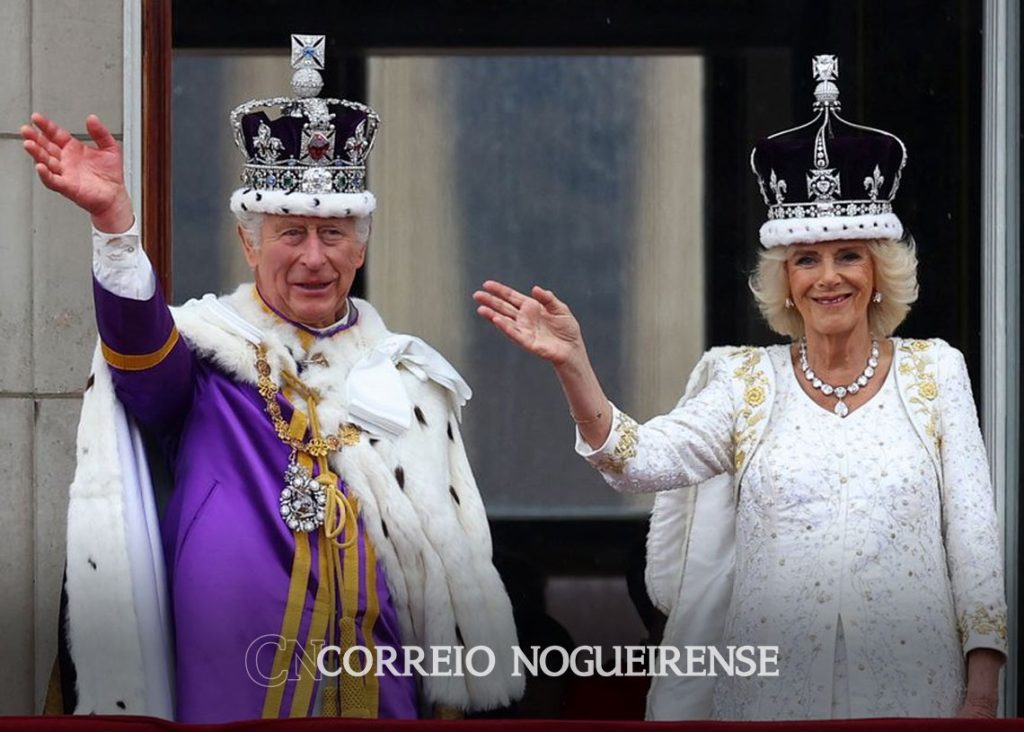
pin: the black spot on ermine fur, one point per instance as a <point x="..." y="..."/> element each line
<point x="400" y="477"/>
<point x="419" y="416"/>
<point x="451" y="489"/>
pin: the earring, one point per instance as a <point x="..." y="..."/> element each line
<point x="877" y="297"/>
<point x="789" y="303"/>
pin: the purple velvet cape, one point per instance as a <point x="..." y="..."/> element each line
<point x="227" y="551"/>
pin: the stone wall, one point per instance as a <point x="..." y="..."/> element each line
<point x="62" y="58"/>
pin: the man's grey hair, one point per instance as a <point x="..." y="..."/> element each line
<point x="252" y="223"/>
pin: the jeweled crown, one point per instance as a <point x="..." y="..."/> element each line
<point x="316" y="146"/>
<point x="828" y="179"/>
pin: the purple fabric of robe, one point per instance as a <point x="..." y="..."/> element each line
<point x="228" y="553"/>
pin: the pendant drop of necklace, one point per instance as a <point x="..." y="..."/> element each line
<point x="840" y="392"/>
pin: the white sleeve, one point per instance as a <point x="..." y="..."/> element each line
<point x="689" y="445"/>
<point x="971" y="528"/>
<point x="121" y="266"/>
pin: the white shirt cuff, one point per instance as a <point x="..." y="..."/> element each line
<point x="120" y="265"/>
<point x="583" y="448"/>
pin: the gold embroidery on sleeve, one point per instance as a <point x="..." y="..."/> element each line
<point x="625" y="447"/>
<point x="983" y="621"/>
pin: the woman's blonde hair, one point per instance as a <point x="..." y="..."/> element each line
<point x="895" y="263"/>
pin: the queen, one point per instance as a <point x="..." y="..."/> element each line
<point x="829" y="496"/>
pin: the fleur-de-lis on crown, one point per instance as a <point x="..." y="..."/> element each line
<point x="268" y="148"/>
<point x="873" y="183"/>
<point x="357" y="145"/>
<point x="778" y="187"/>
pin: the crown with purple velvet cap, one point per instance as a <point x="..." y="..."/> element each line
<point x="311" y="159"/>
<point x="828" y="179"/>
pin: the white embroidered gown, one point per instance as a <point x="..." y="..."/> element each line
<point x="841" y="559"/>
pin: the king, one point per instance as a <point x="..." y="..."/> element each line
<point x="321" y="492"/>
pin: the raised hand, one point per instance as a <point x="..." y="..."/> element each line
<point x="543" y="325"/>
<point x="91" y="177"/>
<point x="539" y="323"/>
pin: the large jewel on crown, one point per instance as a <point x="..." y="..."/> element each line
<point x="317" y="146"/>
<point x="823" y="184"/>
<point x="315" y="180"/>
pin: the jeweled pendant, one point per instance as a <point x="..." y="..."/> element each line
<point x="302" y="499"/>
<point x="841" y="409"/>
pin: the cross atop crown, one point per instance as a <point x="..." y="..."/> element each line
<point x="307" y="60"/>
<point x="308" y="52"/>
<point x="824" y="67"/>
<point x="826" y="70"/>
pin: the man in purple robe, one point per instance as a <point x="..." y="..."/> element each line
<point x="324" y="526"/>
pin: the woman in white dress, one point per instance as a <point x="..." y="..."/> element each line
<point x="866" y="539"/>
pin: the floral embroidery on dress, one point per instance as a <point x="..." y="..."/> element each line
<point x="924" y="388"/>
<point x="756" y="387"/>
<point x="625" y="447"/>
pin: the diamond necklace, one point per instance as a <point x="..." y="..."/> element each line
<point x="840" y="392"/>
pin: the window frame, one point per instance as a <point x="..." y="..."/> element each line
<point x="582" y="25"/>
